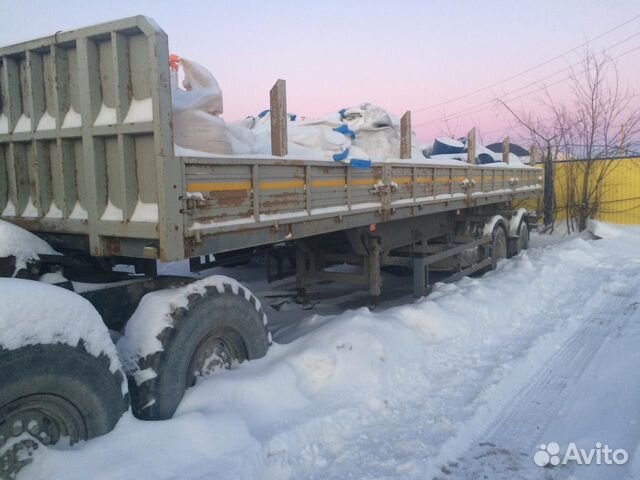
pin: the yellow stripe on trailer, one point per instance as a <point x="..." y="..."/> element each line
<point x="218" y="186"/>
<point x="285" y="184"/>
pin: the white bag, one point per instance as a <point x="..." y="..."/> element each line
<point x="201" y="90"/>
<point x="200" y="131"/>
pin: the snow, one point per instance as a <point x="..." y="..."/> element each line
<point x="78" y="212"/>
<point x="365" y="205"/>
<point x="47" y="122"/>
<point x="112" y="213"/>
<point x="37" y="313"/>
<point x="106" y="116"/>
<point x="223" y="223"/>
<point x="198" y="196"/>
<point x="140" y="111"/>
<point x="9" y="209"/>
<point x="153" y="315"/>
<point x="324" y="210"/>
<point x="402" y="392"/>
<point x="30" y="211"/>
<point x="23" y="124"/>
<point x="72" y="119"/>
<point x="267" y="217"/>
<point x="514" y="221"/>
<point x="18" y="242"/>
<point x="491" y="224"/>
<point x="145" y="212"/>
<point x="450" y="142"/>
<point x="54" y="211"/>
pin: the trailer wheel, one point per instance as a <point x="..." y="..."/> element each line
<point x="498" y="245"/>
<point x="50" y="392"/>
<point x="516" y="245"/>
<point x="215" y="331"/>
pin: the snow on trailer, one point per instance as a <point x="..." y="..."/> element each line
<point x="88" y="164"/>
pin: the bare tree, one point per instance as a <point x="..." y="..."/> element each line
<point x="589" y="132"/>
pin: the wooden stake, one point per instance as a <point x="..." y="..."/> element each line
<point x="532" y="155"/>
<point x="505" y="150"/>
<point x="278" y="98"/>
<point x="471" y="146"/>
<point x="405" y="135"/>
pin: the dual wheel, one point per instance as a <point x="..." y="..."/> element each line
<point x="503" y="247"/>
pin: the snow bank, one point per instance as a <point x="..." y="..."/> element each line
<point x="386" y="394"/>
<point x="18" y="242"/>
<point x="153" y="315"/>
<point x="609" y="230"/>
<point x="37" y="313"/>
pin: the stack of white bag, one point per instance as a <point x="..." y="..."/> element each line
<point x="365" y="132"/>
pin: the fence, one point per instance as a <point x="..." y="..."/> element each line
<point x="620" y="199"/>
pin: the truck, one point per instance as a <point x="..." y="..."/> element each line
<point x="88" y="166"/>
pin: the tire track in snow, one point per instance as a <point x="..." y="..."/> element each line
<point x="508" y="443"/>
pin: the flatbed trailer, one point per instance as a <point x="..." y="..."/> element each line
<point x="87" y="160"/>
<point x="88" y="163"/>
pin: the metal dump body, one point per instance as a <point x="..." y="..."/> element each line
<point x="87" y="157"/>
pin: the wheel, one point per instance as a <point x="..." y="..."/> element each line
<point x="516" y="245"/>
<point x="52" y="392"/>
<point x="498" y="247"/>
<point x="219" y="327"/>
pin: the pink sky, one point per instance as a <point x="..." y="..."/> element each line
<point x="402" y="55"/>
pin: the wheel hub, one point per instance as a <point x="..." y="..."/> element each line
<point x="34" y="420"/>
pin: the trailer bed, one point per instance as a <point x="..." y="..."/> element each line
<point x="87" y="160"/>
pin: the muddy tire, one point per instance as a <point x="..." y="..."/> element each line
<point x="48" y="392"/>
<point x="216" y="330"/>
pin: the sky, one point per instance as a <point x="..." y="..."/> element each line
<point x="402" y="55"/>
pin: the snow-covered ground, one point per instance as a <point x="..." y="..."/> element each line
<point x="466" y="383"/>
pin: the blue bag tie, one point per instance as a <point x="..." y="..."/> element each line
<point x="345" y="130"/>
<point x="360" y="163"/>
<point x="338" y="157"/>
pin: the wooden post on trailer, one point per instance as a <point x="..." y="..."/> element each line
<point x="405" y="135"/>
<point x="532" y="155"/>
<point x="505" y="150"/>
<point x="471" y="146"/>
<point x="278" y="98"/>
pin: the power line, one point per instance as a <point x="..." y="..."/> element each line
<point x="544" y="119"/>
<point x="475" y="108"/>
<point x="495" y="84"/>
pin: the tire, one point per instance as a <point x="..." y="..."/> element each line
<point x="53" y="391"/>
<point x="498" y="245"/>
<point x="217" y="329"/>
<point x="521" y="243"/>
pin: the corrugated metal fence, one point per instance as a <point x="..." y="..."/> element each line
<point x="620" y="202"/>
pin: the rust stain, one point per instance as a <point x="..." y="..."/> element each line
<point x="280" y="200"/>
<point x="229" y="198"/>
